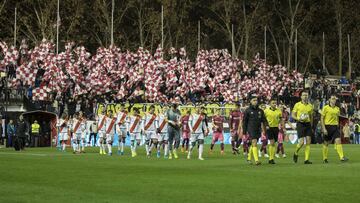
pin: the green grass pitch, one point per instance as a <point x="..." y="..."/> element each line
<point x="48" y="175"/>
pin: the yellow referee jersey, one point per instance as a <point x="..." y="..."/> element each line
<point x="303" y="112"/>
<point x="331" y="115"/>
<point x="273" y="117"/>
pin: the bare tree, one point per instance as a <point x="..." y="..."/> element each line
<point x="289" y="25"/>
<point x="223" y="12"/>
<point x="248" y="26"/>
<point x="39" y="19"/>
<point x="339" y="26"/>
<point x="275" y="45"/>
<point x="146" y="19"/>
<point x="102" y="17"/>
<point x="2" y="6"/>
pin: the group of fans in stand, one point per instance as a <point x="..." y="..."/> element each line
<point x="163" y="130"/>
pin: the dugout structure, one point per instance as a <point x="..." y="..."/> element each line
<point x="47" y="121"/>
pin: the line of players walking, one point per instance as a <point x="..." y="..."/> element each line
<point x="162" y="131"/>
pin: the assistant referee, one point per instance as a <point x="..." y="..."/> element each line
<point x="274" y="118"/>
<point x="303" y="114"/>
<point x="330" y="128"/>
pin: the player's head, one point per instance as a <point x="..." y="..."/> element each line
<point x="21" y="117"/>
<point x="273" y="103"/>
<point x="64" y="116"/>
<point x="198" y="110"/>
<point x="152" y="109"/>
<point x="174" y="106"/>
<point x="203" y="109"/>
<point x="80" y="114"/>
<point x="110" y="113"/>
<point x="122" y="107"/>
<point x="253" y="100"/>
<point x="238" y="105"/>
<point x="304" y="96"/>
<point x="333" y="100"/>
<point x="164" y="108"/>
<point x="136" y="111"/>
<point x="188" y="112"/>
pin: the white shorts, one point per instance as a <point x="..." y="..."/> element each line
<point x="109" y="137"/>
<point x="151" y="135"/>
<point x="135" y="136"/>
<point x="163" y="137"/>
<point x="77" y="136"/>
<point x="83" y="136"/>
<point x="101" y="134"/>
<point x="196" y="136"/>
<point x="63" y="136"/>
<point x="122" y="133"/>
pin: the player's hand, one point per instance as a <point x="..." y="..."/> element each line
<point x="325" y="131"/>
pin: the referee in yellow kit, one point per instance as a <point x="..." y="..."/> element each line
<point x="303" y="114"/>
<point x="330" y="128"/>
<point x="273" y="117"/>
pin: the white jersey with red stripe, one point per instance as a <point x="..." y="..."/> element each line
<point x="119" y="117"/>
<point x="161" y="118"/>
<point x="193" y="120"/>
<point x="131" y="122"/>
<point x="154" y="125"/>
<point x="62" y="126"/>
<point x="99" y="120"/>
<point x="107" y="125"/>
<point x="81" y="127"/>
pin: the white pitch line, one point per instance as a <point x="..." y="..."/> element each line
<point x="32" y="154"/>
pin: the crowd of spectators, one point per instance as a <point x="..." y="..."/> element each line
<point x="215" y="78"/>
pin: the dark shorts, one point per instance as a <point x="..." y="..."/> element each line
<point x="234" y="133"/>
<point x="254" y="135"/>
<point x="333" y="133"/>
<point x="272" y="133"/>
<point x="303" y="129"/>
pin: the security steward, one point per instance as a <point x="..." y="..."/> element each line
<point x="35" y="132"/>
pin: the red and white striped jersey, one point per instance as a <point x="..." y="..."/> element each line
<point x="135" y="124"/>
<point x="110" y="125"/>
<point x="150" y="122"/>
<point x="79" y="125"/>
<point x="62" y="125"/>
<point x="101" y="123"/>
<point x="162" y="123"/>
<point x="122" y="116"/>
<point x="197" y="123"/>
